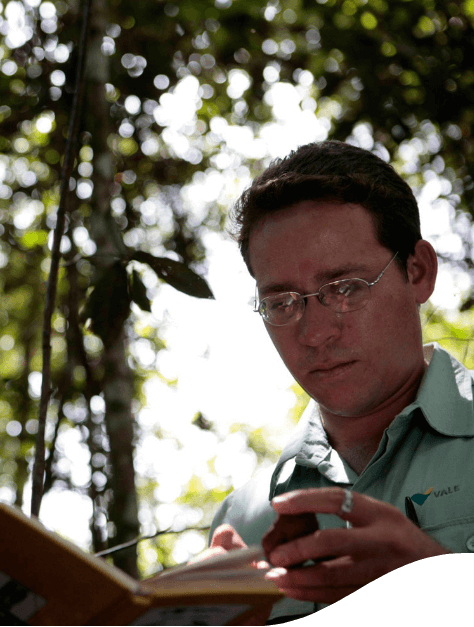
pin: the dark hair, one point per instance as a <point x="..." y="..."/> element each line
<point x="336" y="172"/>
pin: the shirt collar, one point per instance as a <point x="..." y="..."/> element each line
<point x="309" y="420"/>
<point x="445" y="397"/>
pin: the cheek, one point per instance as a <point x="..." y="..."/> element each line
<point x="390" y="334"/>
<point x="402" y="320"/>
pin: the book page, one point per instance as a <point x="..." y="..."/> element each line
<point x="230" y="573"/>
<point x="231" y="560"/>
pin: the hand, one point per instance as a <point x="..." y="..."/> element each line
<point x="225" y="539"/>
<point x="288" y="527"/>
<point x="381" y="539"/>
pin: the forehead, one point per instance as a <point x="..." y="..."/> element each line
<point x="311" y="240"/>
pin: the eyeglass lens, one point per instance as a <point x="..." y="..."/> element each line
<point x="341" y="296"/>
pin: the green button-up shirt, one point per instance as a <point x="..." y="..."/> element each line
<point x="426" y="454"/>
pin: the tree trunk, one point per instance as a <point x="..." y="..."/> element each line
<point x="118" y="389"/>
<point x="117" y="381"/>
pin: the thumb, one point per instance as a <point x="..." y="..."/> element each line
<point x="228" y="538"/>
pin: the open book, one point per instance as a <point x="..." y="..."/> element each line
<point x="46" y="580"/>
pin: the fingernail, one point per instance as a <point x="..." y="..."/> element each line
<point x="263" y="564"/>
<point x="279" y="499"/>
<point x="276" y="573"/>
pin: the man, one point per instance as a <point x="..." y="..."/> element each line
<point x="331" y="235"/>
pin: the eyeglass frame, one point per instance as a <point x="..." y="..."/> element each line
<point x="305" y="296"/>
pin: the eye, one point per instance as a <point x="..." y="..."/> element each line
<point x="280" y="303"/>
<point x="346" y="288"/>
<point x="338" y="291"/>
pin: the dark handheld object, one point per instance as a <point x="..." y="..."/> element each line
<point x="411" y="512"/>
<point x="288" y="527"/>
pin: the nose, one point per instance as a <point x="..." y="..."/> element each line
<point x="319" y="324"/>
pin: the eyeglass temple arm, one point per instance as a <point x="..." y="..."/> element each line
<point x="383" y="271"/>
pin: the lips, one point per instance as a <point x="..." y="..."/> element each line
<point x="331" y="365"/>
<point x="332" y="369"/>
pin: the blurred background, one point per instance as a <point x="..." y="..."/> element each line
<point x="162" y="402"/>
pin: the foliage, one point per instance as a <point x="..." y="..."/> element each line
<point x="455" y="334"/>
<point x="182" y="102"/>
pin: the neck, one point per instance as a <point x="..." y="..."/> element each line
<point x="357" y="438"/>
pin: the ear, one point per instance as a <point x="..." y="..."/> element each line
<point x="422" y="268"/>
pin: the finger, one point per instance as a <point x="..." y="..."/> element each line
<point x="228" y="538"/>
<point x="342" y="572"/>
<point x="326" y="544"/>
<point x="329" y="501"/>
<point x="261" y="565"/>
<point x="301" y="585"/>
<point x="207" y="554"/>
<point x="326" y="582"/>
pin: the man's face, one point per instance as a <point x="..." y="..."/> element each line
<point x="352" y="363"/>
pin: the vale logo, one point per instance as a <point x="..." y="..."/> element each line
<point x="419" y="499"/>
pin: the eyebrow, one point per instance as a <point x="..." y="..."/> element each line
<point x="321" y="278"/>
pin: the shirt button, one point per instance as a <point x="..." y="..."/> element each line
<point x="470" y="543"/>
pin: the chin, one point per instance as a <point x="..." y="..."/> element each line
<point x="349" y="409"/>
<point x="343" y="412"/>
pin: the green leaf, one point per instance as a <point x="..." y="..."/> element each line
<point x="176" y="274"/>
<point x="138" y="292"/>
<point x="35" y="238"/>
<point x="108" y="305"/>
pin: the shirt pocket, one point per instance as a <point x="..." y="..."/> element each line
<point x="456" y="535"/>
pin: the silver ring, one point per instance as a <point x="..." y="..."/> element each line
<point x="346" y="507"/>
<point x="347" y="503"/>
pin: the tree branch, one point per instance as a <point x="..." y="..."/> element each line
<point x="126" y="545"/>
<point x="39" y="463"/>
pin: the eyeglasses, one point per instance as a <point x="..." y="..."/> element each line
<point x="340" y="296"/>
